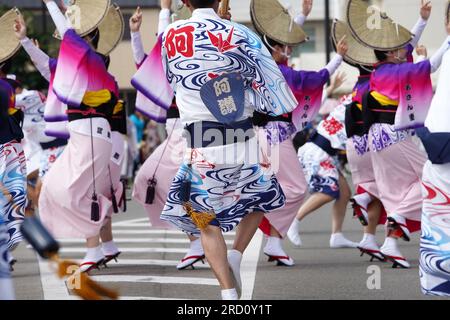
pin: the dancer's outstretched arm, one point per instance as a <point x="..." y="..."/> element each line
<point x="136" y="39"/>
<point x="40" y="59"/>
<point x="425" y="12"/>
<point x="300" y="19"/>
<point x="62" y="24"/>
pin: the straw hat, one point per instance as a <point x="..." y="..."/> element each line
<point x="374" y="28"/>
<point x="111" y="30"/>
<point x="271" y="19"/>
<point x="357" y="53"/>
<point x="86" y="15"/>
<point x="10" y="44"/>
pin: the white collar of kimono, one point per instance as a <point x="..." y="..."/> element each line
<point x="205" y="13"/>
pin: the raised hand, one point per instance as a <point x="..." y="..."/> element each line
<point x="338" y="80"/>
<point x="307" y="7"/>
<point x="425" y="10"/>
<point x="20" y="28"/>
<point x="136" y="20"/>
<point x="342" y="46"/>
<point x="422" y="51"/>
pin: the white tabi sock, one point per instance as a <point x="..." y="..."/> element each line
<point x="196" y="246"/>
<point x="391" y="243"/>
<point x="273" y="246"/>
<point x="109" y="248"/>
<point x="93" y="254"/>
<point x="293" y="232"/>
<point x="229" y="294"/>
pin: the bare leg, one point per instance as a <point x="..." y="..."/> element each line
<point x="93" y="242"/>
<point x="314" y="202"/>
<point x="274" y="232"/>
<point x="106" y="231"/>
<point x="216" y="254"/>
<point x="374" y="212"/>
<point x="246" y="230"/>
<point x="191" y="237"/>
<point x="340" y="206"/>
<point x="33" y="196"/>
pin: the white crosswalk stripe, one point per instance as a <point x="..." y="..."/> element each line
<point x="149" y="258"/>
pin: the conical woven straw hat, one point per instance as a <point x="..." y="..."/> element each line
<point x="357" y="53"/>
<point x="374" y="28"/>
<point x="271" y="19"/>
<point x="111" y="30"/>
<point x="9" y="43"/>
<point x="86" y="15"/>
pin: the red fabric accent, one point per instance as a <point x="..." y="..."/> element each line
<point x="180" y="41"/>
<point x="88" y="112"/>
<point x="192" y="257"/>
<point x="396" y="258"/>
<point x="279" y="257"/>
<point x="369" y="250"/>
<point x="265" y="226"/>
<point x="413" y="226"/>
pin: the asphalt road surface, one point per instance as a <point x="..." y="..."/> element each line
<point x="146" y="269"/>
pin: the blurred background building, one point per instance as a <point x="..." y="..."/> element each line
<point x="310" y="55"/>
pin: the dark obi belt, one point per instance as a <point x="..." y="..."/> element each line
<point x="104" y="109"/>
<point x="205" y="134"/>
<point x="262" y="119"/>
<point x="354" y="123"/>
<point x="54" y="144"/>
<point x="437" y="145"/>
<point x="323" y="143"/>
<point x="375" y="112"/>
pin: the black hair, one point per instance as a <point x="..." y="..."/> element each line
<point x="270" y="43"/>
<point x="14" y="83"/>
<point x="381" y="55"/>
<point x="6" y="66"/>
<point x="202" y="3"/>
<point x="106" y="60"/>
<point x="94" y="38"/>
<point x="364" y="70"/>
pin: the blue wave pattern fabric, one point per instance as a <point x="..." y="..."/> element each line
<point x="13" y="179"/>
<point x="435" y="240"/>
<point x="227" y="181"/>
<point x="230" y="192"/>
<point x="4" y="264"/>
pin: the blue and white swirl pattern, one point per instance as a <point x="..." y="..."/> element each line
<point x="13" y="181"/>
<point x="361" y="144"/>
<point x="384" y="135"/>
<point x="4" y="253"/>
<point x="435" y="240"/>
<point x="231" y="192"/>
<point x="320" y="169"/>
<point x="267" y="90"/>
